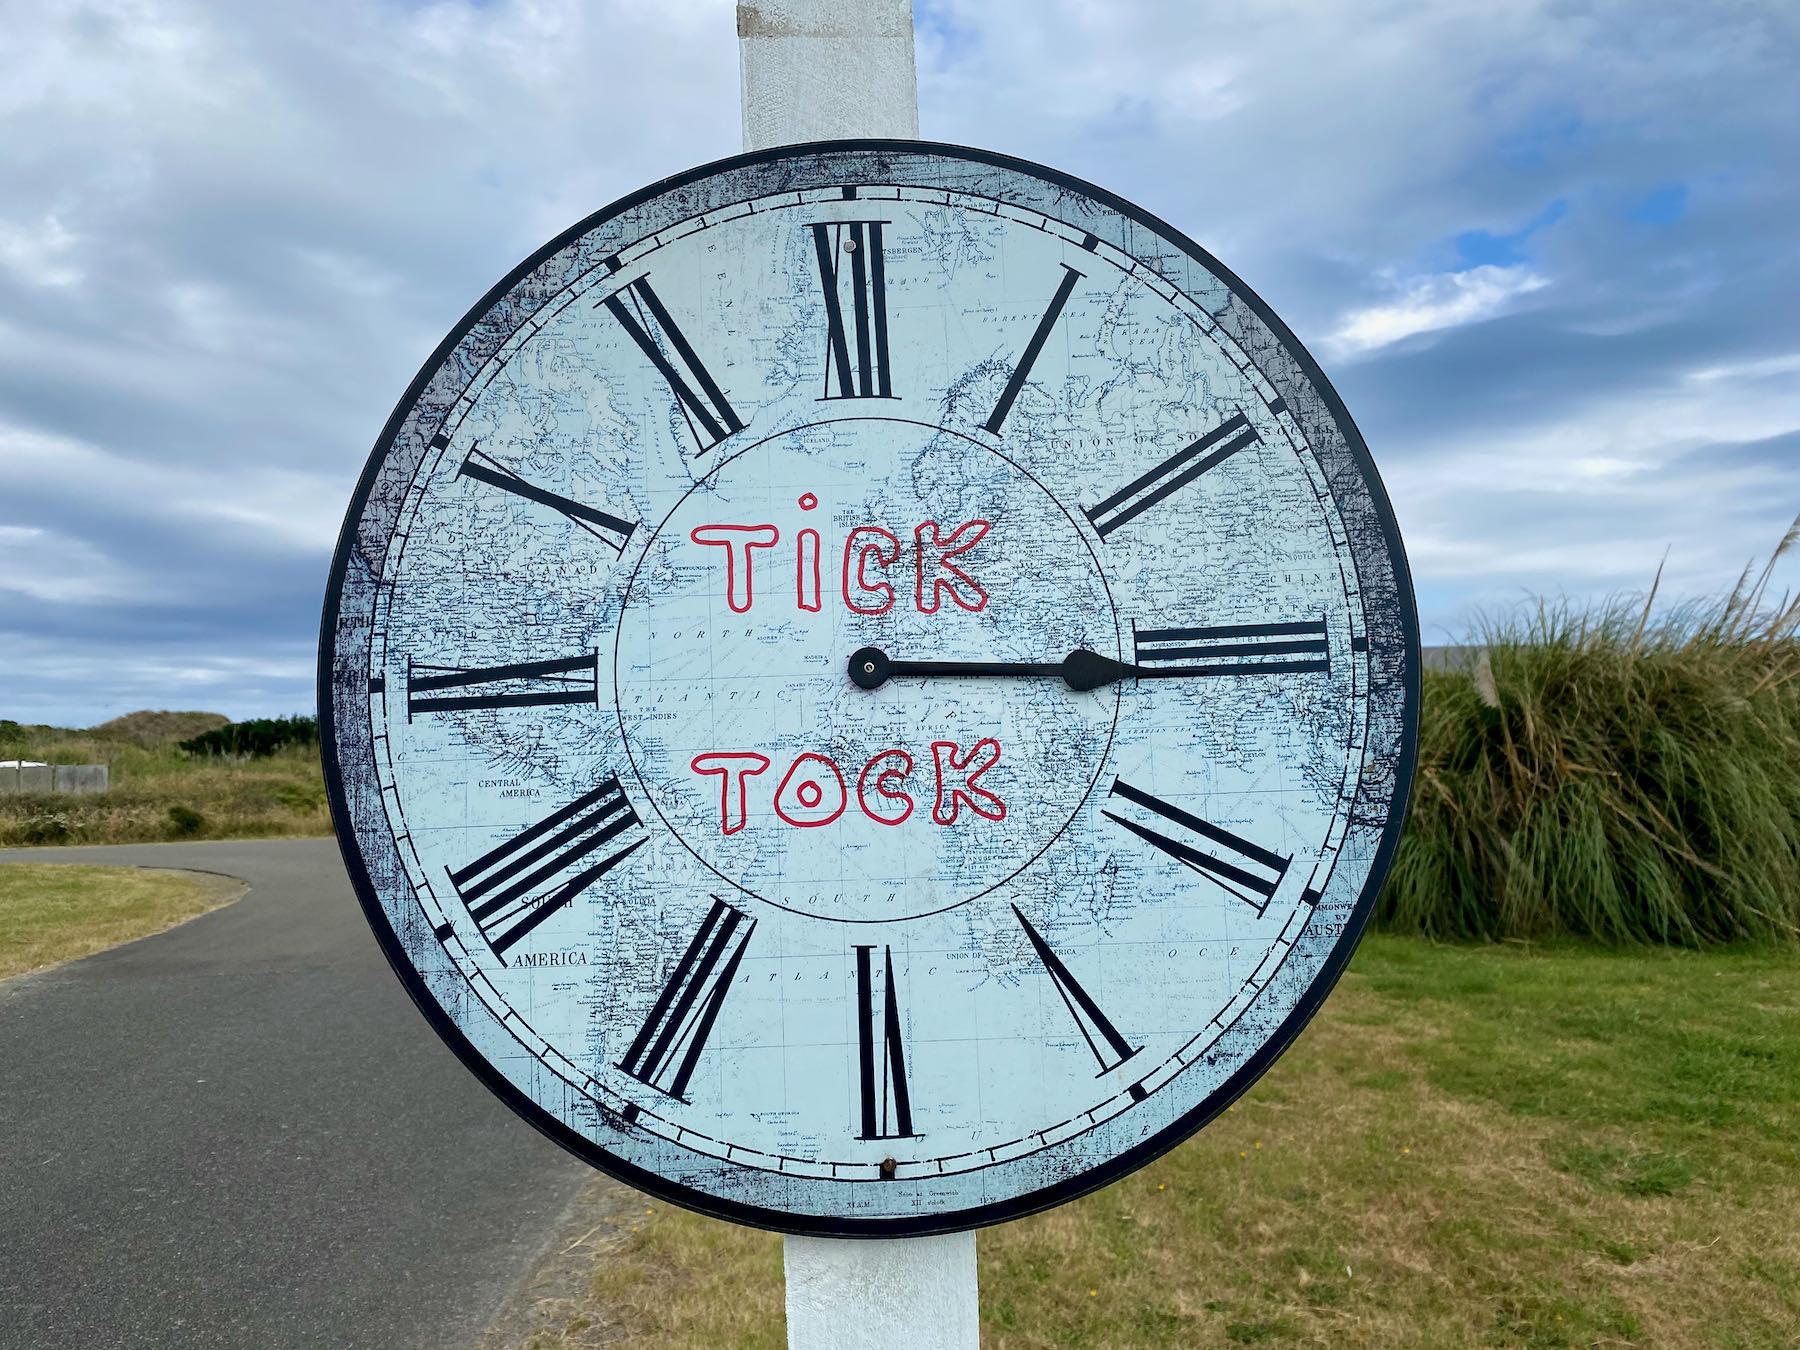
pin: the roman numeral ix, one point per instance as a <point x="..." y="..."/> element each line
<point x="502" y="888"/>
<point x="1248" y="871"/>
<point x="669" y="1043"/>
<point x="1233" y="649"/>
<point x="869" y="376"/>
<point x="886" y="1103"/>
<point x="1102" y="1037"/>
<point x="1028" y="359"/>
<point x="607" y="528"/>
<point x="575" y="679"/>
<point x="1173" y="474"/>
<point x="709" y="415"/>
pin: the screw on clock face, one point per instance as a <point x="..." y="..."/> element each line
<point x="870" y="668"/>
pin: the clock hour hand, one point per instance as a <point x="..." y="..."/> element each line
<point x="870" y="668"/>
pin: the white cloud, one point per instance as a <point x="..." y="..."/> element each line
<point x="1428" y="304"/>
<point x="262" y="507"/>
<point x="45" y="686"/>
<point x="39" y="253"/>
<point x="230" y="233"/>
<point x="1787" y="363"/>
<point x="44" y="565"/>
<point x="1588" y="500"/>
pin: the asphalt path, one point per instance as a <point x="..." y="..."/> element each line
<point x="241" y="1133"/>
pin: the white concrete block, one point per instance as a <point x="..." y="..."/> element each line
<point x="894" y="1294"/>
<point x="817" y="70"/>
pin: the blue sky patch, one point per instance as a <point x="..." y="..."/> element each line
<point x="1665" y="206"/>
<point x="1482" y="248"/>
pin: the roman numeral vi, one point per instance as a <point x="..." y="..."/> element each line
<point x="502" y="888"/>
<point x="869" y="375"/>
<point x="1246" y="870"/>
<point x="886" y="1102"/>
<point x="675" y="1032"/>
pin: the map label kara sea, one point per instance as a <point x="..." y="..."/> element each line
<point x="870" y="688"/>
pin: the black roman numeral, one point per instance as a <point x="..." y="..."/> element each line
<point x="887" y="1112"/>
<point x="1173" y="474"/>
<point x="500" y="889"/>
<point x="1247" y="870"/>
<point x="675" y="1032"/>
<point x="608" y="529"/>
<point x="573" y="680"/>
<point x="709" y="415"/>
<point x="1233" y="649"/>
<point x="1095" y="1027"/>
<point x="869" y="377"/>
<point x="1022" y="371"/>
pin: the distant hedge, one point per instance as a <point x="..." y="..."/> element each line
<point x="259" y="736"/>
<point x="1612" y="776"/>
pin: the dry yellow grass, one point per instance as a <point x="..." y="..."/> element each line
<point x="166" y="795"/>
<point x="1471" y="1147"/>
<point x="55" y="912"/>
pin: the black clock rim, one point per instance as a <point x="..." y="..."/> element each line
<point x="949" y="1221"/>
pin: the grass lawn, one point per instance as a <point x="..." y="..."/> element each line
<point x="51" y="912"/>
<point x="1471" y="1146"/>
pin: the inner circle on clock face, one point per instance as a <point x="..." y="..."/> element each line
<point x="744" y="730"/>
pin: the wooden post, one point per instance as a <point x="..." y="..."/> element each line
<point x="818" y="70"/>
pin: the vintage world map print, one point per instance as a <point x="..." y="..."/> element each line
<point x="869" y="688"/>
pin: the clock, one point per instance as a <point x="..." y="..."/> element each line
<point x="869" y="688"/>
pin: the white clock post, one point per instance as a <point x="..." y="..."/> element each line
<point x="819" y="70"/>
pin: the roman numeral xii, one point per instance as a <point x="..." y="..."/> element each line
<point x="865" y="374"/>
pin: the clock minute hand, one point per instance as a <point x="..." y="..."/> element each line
<point x="870" y="668"/>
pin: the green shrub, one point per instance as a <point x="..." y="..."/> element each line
<point x="50" y="828"/>
<point x="186" y="820"/>
<point x="260" y="736"/>
<point x="299" y="796"/>
<point x="1612" y="775"/>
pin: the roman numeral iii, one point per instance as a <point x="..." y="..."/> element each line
<point x="512" y="889"/>
<point x="529" y="684"/>
<point x="1232" y="649"/>
<point x="1102" y="1037"/>
<point x="669" y="1043"/>
<point x="608" y="529"/>
<point x="644" y="318"/>
<point x="1173" y="474"/>
<point x="1248" y="871"/>
<point x="886" y="1102"/>
<point x="868" y="376"/>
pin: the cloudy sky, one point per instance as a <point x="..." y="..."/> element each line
<point x="1549" y="253"/>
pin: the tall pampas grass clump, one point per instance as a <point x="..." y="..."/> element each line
<point x="1616" y="774"/>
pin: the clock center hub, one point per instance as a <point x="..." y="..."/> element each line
<point x="745" y="728"/>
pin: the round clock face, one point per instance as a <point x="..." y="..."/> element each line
<point x="870" y="688"/>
